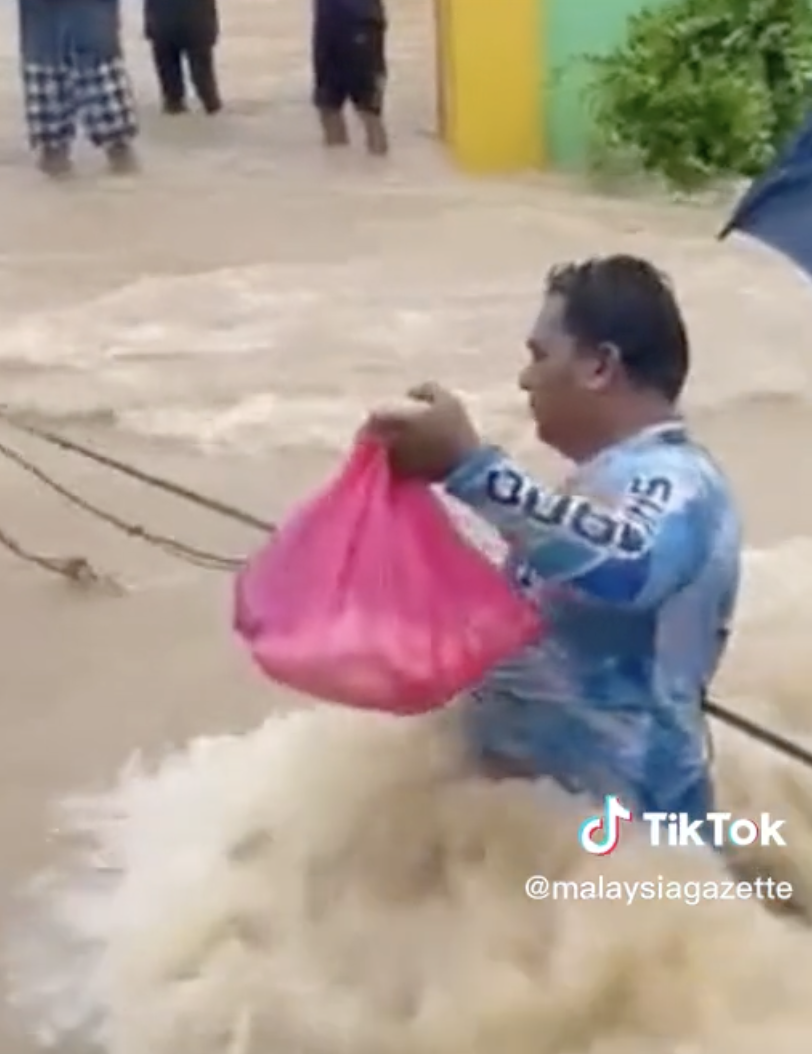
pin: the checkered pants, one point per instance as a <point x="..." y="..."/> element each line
<point x="58" y="97"/>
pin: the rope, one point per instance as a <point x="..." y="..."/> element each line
<point x="759" y="732"/>
<point x="74" y="568"/>
<point x="78" y="569"/>
<point x="14" y="420"/>
<point x="181" y="550"/>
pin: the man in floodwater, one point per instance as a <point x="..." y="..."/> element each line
<point x="634" y="562"/>
<point x="73" y="70"/>
<point x="349" y="66"/>
<point x="183" y="33"/>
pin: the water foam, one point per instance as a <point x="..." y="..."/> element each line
<point x="335" y="882"/>
<point x="203" y="358"/>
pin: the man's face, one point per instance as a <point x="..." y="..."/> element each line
<point x="563" y="381"/>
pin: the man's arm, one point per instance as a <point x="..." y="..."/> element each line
<point x="630" y="552"/>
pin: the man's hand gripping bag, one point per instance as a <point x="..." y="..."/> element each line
<point x="370" y="597"/>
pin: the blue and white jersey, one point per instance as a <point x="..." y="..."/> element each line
<point x="635" y="567"/>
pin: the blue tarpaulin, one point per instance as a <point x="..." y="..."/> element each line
<point x="777" y="207"/>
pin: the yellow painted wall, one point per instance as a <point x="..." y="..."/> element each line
<point x="489" y="78"/>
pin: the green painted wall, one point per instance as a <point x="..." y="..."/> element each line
<point x="569" y="29"/>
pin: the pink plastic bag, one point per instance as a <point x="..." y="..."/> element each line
<point x="370" y="597"/>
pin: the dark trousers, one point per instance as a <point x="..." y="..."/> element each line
<point x="169" y="57"/>
<point x="349" y="65"/>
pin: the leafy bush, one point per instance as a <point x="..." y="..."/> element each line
<point x="705" y="88"/>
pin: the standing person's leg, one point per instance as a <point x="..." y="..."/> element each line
<point x="329" y="90"/>
<point x="50" y="114"/>
<point x="167" y="57"/>
<point x="366" y="76"/>
<point x="107" y="108"/>
<point x="203" y="72"/>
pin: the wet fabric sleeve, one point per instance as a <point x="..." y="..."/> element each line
<point x="636" y="543"/>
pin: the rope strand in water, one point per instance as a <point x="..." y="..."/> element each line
<point x="181" y="550"/>
<point x="14" y="420"/>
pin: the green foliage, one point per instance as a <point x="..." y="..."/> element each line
<point x="702" y="89"/>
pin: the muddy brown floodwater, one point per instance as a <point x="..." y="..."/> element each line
<point x="227" y="318"/>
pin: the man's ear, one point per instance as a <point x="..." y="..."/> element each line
<point x="601" y="365"/>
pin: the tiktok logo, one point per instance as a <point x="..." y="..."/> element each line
<point x="599" y="835"/>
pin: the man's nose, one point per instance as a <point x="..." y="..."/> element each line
<point x="524" y="379"/>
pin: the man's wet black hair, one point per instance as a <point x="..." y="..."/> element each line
<point x="626" y="302"/>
